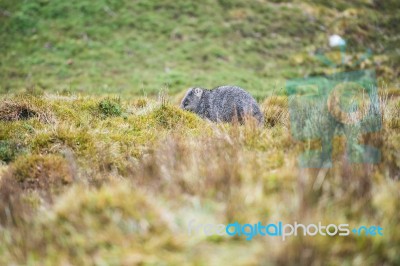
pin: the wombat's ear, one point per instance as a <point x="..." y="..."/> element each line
<point x="198" y="92"/>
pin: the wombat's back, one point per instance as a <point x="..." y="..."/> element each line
<point x="228" y="103"/>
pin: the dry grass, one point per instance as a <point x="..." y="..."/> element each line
<point x="41" y="172"/>
<point x="276" y="112"/>
<point x="123" y="189"/>
<point x="23" y="108"/>
<point x="12" y="209"/>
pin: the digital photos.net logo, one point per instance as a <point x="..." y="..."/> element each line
<point x="280" y="230"/>
<point x="342" y="104"/>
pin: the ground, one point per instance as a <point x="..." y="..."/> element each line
<point x="101" y="167"/>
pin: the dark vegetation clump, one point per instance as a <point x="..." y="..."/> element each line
<point x="110" y="107"/>
<point x="24" y="108"/>
<point x="9" y="150"/>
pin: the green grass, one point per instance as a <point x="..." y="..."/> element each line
<point x="94" y="170"/>
<point x="136" y="48"/>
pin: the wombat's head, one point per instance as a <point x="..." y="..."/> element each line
<point x="192" y="99"/>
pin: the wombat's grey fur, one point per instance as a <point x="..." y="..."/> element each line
<point x="222" y="104"/>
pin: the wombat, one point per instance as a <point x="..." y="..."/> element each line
<point x="222" y="104"/>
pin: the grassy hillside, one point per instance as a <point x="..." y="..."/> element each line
<point x="138" y="47"/>
<point x="99" y="166"/>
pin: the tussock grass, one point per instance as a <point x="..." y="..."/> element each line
<point x="23" y="108"/>
<point x="131" y="184"/>
<point x="39" y="172"/>
<point x="276" y="111"/>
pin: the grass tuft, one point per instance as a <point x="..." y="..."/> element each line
<point x="24" y="108"/>
<point x="41" y="171"/>
<point x="110" y="107"/>
<point x="276" y="111"/>
<point x="168" y="116"/>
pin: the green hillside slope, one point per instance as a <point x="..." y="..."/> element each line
<point x="137" y="47"/>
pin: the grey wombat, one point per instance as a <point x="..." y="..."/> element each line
<point x="222" y="104"/>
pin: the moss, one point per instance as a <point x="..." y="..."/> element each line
<point x="110" y="107"/>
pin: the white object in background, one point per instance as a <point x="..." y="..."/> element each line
<point x="336" y="40"/>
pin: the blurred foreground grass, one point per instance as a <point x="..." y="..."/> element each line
<point x="86" y="185"/>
